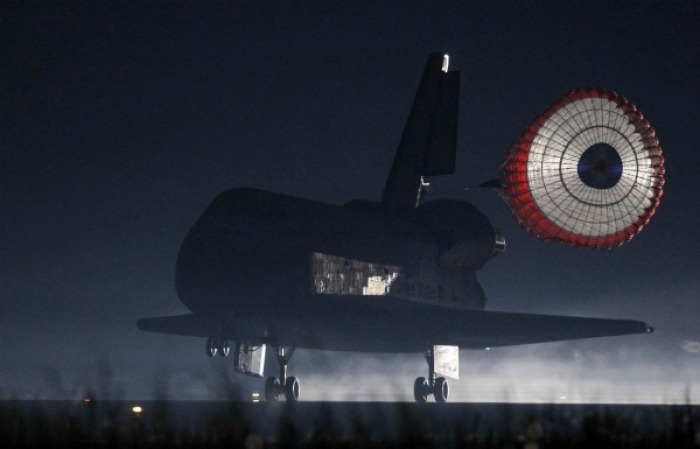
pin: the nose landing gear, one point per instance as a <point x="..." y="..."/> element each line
<point x="217" y="345"/>
<point x="288" y="387"/>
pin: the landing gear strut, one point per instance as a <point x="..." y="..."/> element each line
<point x="422" y="387"/>
<point x="287" y="386"/>
<point x="217" y="345"/>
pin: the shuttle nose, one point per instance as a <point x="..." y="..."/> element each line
<point x="255" y="234"/>
<point x="241" y="241"/>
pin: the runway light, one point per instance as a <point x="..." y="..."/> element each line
<point x="137" y="409"/>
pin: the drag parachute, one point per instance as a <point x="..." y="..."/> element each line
<point x="588" y="171"/>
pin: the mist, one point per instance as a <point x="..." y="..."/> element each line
<point x="623" y="371"/>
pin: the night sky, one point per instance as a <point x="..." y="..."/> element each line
<point x="119" y="124"/>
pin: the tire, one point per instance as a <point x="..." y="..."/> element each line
<point x="292" y="389"/>
<point x="441" y="389"/>
<point x="211" y="347"/>
<point x="223" y="348"/>
<point x="272" y="386"/>
<point x="421" y="389"/>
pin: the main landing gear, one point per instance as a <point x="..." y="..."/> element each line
<point x="422" y="387"/>
<point x="283" y="386"/>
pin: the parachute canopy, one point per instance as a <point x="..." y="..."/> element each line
<point x="588" y="171"/>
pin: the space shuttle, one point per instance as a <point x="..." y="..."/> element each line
<point x="264" y="273"/>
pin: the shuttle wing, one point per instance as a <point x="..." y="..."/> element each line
<point x="378" y="325"/>
<point x="190" y="325"/>
<point x="383" y="325"/>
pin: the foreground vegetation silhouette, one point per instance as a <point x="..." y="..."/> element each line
<point x="192" y="424"/>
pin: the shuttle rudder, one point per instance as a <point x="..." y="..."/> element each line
<point x="428" y="142"/>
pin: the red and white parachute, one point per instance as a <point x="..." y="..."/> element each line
<point x="588" y="172"/>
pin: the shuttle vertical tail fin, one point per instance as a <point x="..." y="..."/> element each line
<point x="429" y="139"/>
